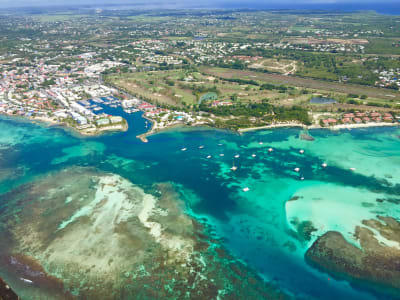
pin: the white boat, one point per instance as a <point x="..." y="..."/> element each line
<point x="201" y="147"/>
<point x="219" y="144"/>
<point x="234" y="168"/>
<point x="301" y="178"/>
<point x="221" y="154"/>
<point x="324" y="165"/>
<point x="260" y="143"/>
<point x="352" y="169"/>
<point x="246" y="189"/>
<point x="253" y="155"/>
<point x="209" y="156"/>
<point x="183" y="149"/>
<point x="301" y="151"/>
<point x="296" y="169"/>
<point x="237" y="156"/>
<point x="270" y="150"/>
<point x="26" y="280"/>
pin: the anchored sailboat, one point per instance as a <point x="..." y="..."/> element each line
<point x="234" y="168"/>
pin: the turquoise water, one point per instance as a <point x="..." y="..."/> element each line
<point x="256" y="226"/>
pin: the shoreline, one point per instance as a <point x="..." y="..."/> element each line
<point x="362" y="125"/>
<point x="49" y="122"/>
<point x="143" y="136"/>
<point x="154" y="129"/>
<point x="86" y="133"/>
<point x="335" y="127"/>
<point x="272" y="126"/>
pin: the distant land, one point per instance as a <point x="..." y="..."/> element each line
<point x="390" y="8"/>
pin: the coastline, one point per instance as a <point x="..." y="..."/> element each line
<point x="335" y="127"/>
<point x="49" y="122"/>
<point x="143" y="136"/>
<point x="156" y="129"/>
<point x="362" y="125"/>
<point x="272" y="126"/>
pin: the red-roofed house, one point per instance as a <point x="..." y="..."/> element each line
<point x="349" y="115"/>
<point x="387" y="115"/>
<point x="375" y="114"/>
<point x="366" y="119"/>
<point x="329" y="121"/>
<point x="147" y="106"/>
<point x="346" y="121"/>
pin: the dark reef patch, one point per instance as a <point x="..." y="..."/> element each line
<point x="304" y="230"/>
<point x="375" y="266"/>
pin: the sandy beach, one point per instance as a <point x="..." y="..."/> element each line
<point x="363" y="125"/>
<point x="279" y="125"/>
<point x="336" y="127"/>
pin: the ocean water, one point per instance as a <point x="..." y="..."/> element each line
<point x="258" y="226"/>
<point x="385" y="7"/>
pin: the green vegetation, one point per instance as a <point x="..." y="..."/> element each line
<point x="248" y="115"/>
<point x="245" y="68"/>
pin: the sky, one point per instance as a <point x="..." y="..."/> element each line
<point x="201" y="3"/>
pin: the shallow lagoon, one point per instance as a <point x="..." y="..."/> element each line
<point x="258" y="226"/>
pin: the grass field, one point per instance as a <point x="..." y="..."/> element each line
<point x="171" y="87"/>
<point x="383" y="46"/>
<point x="372" y="92"/>
<point x="178" y="87"/>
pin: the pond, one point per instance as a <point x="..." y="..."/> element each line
<point x="321" y="100"/>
